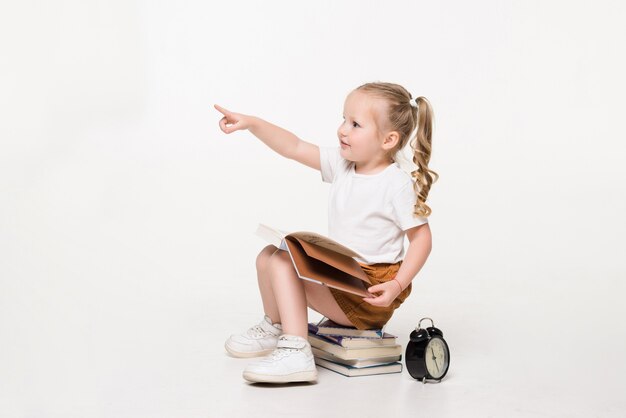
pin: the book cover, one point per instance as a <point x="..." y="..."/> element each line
<point x="352" y="371"/>
<point x="330" y="328"/>
<point x="344" y="353"/>
<point x="358" y="363"/>
<point x="320" y="259"/>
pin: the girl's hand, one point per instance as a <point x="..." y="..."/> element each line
<point x="231" y="121"/>
<point x="388" y="292"/>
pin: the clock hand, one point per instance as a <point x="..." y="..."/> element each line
<point x="434" y="358"/>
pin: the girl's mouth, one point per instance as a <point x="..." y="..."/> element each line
<point x="343" y="143"/>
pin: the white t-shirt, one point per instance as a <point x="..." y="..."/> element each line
<point x="369" y="212"/>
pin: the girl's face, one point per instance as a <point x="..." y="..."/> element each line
<point x="359" y="135"/>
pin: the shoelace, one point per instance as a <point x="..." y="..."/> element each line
<point x="281" y="352"/>
<point x="257" y="332"/>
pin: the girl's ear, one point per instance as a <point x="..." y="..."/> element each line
<point x="391" y="140"/>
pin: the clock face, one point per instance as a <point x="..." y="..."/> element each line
<point x="436" y="357"/>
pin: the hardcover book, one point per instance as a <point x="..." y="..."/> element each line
<point x="330" y="328"/>
<point x="357" y="363"/>
<point x="320" y="259"/>
<point x="353" y="371"/>
<point x="358" y="342"/>
<point x="344" y="353"/>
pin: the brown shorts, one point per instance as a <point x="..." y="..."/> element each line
<point x="362" y="314"/>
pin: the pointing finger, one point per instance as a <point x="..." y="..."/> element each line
<point x="222" y="110"/>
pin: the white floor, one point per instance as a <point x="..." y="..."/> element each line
<point x="537" y="364"/>
<point x="159" y="353"/>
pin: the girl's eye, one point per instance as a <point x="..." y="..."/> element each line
<point x="356" y="125"/>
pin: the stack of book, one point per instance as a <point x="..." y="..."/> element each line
<point x="353" y="352"/>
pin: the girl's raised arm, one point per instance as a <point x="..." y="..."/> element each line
<point x="280" y="140"/>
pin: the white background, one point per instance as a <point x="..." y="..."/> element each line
<point x="127" y="217"/>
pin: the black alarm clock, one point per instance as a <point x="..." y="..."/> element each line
<point x="427" y="354"/>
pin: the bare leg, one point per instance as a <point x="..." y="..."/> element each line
<point x="289" y="294"/>
<point x="265" y="285"/>
<point x="293" y="295"/>
<point x="321" y="300"/>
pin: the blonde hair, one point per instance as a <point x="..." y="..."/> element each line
<point x="403" y="117"/>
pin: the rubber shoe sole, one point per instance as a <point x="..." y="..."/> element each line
<point x="309" y="376"/>
<point x="243" y="354"/>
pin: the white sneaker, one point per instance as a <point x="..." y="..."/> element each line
<point x="258" y="340"/>
<point x="291" y="361"/>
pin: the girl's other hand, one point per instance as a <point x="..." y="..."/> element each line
<point x="388" y="291"/>
<point x="231" y="121"/>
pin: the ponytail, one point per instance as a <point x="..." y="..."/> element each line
<point x="421" y="144"/>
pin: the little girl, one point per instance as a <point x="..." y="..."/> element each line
<point x="373" y="204"/>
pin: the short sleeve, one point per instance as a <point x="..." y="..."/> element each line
<point x="403" y="206"/>
<point x="330" y="159"/>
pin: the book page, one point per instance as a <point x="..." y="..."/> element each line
<point x="325" y="242"/>
<point x="338" y="260"/>
<point x="271" y="235"/>
<point x="309" y="268"/>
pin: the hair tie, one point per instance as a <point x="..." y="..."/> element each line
<point x="413" y="103"/>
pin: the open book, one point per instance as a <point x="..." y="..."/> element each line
<point x="320" y="259"/>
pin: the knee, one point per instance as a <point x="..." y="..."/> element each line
<point x="278" y="261"/>
<point x="264" y="256"/>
